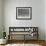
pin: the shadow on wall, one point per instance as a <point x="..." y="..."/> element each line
<point x="1" y="34"/>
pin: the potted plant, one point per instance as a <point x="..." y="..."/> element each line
<point x="2" y="37"/>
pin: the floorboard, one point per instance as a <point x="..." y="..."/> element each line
<point x="25" y="43"/>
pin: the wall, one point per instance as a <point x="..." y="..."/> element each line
<point x="38" y="15"/>
<point x="38" y="18"/>
<point x="45" y="19"/>
<point x="0" y="18"/>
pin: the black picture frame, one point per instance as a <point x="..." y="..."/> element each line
<point x="23" y="13"/>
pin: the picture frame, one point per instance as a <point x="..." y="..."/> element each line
<point x="23" y="13"/>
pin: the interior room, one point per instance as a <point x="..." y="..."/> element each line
<point x="22" y="23"/>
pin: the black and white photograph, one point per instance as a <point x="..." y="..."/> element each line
<point x="23" y="12"/>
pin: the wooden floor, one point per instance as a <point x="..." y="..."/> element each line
<point x="39" y="42"/>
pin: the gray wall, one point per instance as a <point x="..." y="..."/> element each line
<point x="0" y="18"/>
<point x="38" y="15"/>
<point x="45" y="19"/>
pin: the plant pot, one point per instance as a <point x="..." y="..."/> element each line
<point x="3" y="41"/>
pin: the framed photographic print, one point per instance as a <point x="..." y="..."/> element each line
<point x="24" y="13"/>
